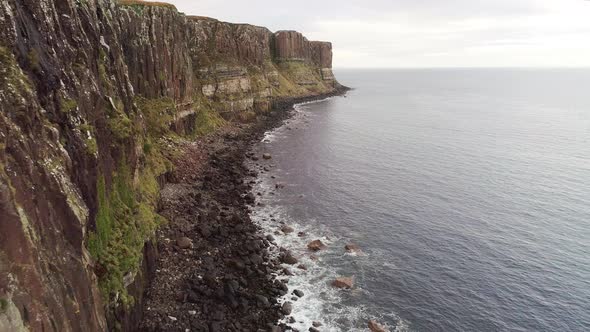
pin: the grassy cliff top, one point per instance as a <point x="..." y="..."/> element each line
<point x="146" y="3"/>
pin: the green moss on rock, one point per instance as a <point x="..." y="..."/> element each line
<point x="67" y="105"/>
<point x="12" y="79"/>
<point x="3" y="305"/>
<point x="207" y="121"/>
<point x="139" y="5"/>
<point x="124" y="221"/>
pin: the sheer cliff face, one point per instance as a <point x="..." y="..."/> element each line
<point x="88" y="88"/>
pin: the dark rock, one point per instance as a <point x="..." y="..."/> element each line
<point x="184" y="242"/>
<point x="266" y="156"/>
<point x="298" y="293"/>
<point x="287" y="229"/>
<point x="287" y="308"/>
<point x="262" y="300"/>
<point x="288" y="258"/>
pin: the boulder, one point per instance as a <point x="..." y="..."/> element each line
<point x="352" y="248"/>
<point x="376" y="327"/>
<point x="288" y="258"/>
<point x="184" y="242"/>
<point x="316" y="245"/>
<point x="298" y="293"/>
<point x="316" y="324"/>
<point x="266" y="156"/>
<point x="343" y="282"/>
<point x="287" y="308"/>
<point x="287" y="229"/>
<point x="262" y="300"/>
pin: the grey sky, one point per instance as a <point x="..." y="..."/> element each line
<point x="425" y="33"/>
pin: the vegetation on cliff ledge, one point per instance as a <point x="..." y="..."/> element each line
<point x="138" y="4"/>
<point x="126" y="215"/>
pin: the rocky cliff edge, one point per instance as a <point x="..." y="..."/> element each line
<point x="92" y="92"/>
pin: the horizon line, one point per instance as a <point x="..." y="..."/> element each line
<point x="466" y="67"/>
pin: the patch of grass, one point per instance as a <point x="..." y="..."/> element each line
<point x="158" y="114"/>
<point x="126" y="216"/>
<point x="293" y="72"/>
<point x="124" y="221"/>
<point x="207" y="118"/>
<point x="3" y="305"/>
<point x="89" y="140"/>
<point x="141" y="4"/>
<point x="67" y="105"/>
<point x="11" y="77"/>
<point x="119" y="122"/>
<point x="33" y="60"/>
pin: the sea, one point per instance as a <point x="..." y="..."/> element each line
<point x="467" y="190"/>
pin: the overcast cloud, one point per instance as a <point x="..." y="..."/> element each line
<point x="425" y="33"/>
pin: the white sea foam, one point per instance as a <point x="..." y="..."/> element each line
<point x="321" y="302"/>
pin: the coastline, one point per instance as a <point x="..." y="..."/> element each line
<point x="214" y="269"/>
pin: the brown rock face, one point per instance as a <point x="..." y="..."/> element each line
<point x="321" y="54"/>
<point x="292" y="45"/>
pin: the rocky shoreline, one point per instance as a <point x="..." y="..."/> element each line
<point x="214" y="271"/>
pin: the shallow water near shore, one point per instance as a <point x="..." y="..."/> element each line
<point x="467" y="190"/>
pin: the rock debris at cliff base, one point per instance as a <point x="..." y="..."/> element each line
<point x="224" y="279"/>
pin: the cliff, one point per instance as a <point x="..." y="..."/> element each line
<point x="91" y="92"/>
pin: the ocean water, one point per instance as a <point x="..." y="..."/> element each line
<point x="468" y="191"/>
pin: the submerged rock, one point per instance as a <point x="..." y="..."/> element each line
<point x="376" y="327"/>
<point x="343" y="282"/>
<point x="352" y="248"/>
<point x="316" y="245"/>
<point x="266" y="156"/>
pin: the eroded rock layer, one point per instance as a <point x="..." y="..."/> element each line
<point x="92" y="95"/>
